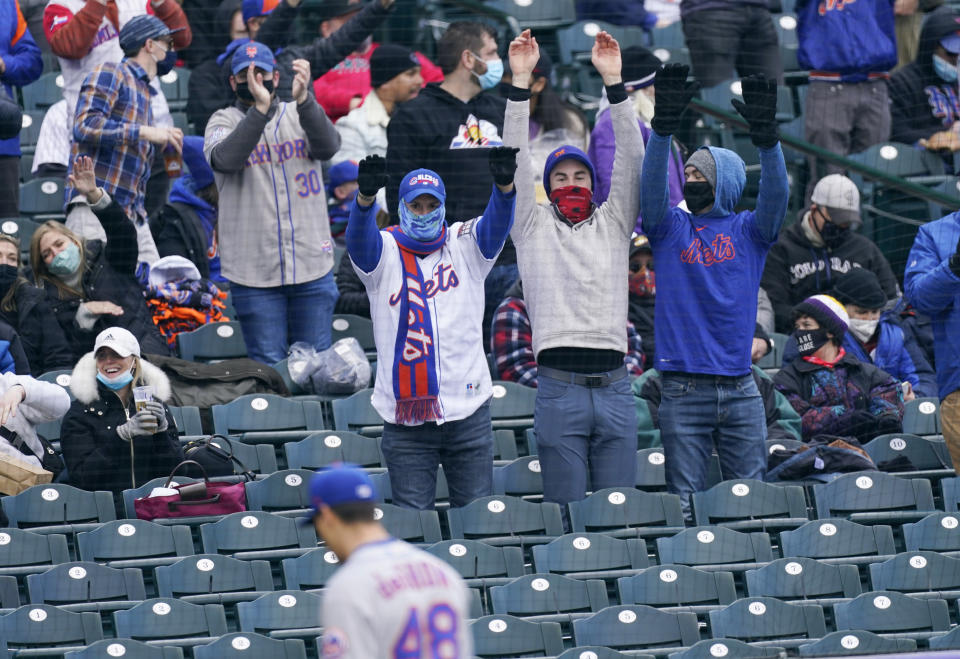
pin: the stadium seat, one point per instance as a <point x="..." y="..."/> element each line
<point x="259" y="458"/>
<point x="257" y="534"/>
<point x="356" y="414"/>
<point x="839" y="541"/>
<point x="295" y="613"/>
<point x="855" y="642"/>
<point x="187" y="419"/>
<point x="43" y="92"/>
<point x="212" y="342"/>
<point x="41" y="199"/>
<point x="419" y="526"/>
<point x="505" y="444"/>
<point x="473" y="559"/>
<point x="951" y="494"/>
<point x="58" y="508"/>
<point x="42" y="627"/>
<point x="727" y="647"/>
<point x="774" y="358"/>
<point x="22" y="229"/>
<point x="311" y="570"/>
<point x="637" y="627"/>
<point x="126" y="648"/>
<point x="214" y="579"/>
<point x="132" y="494"/>
<point x="720" y="96"/>
<point x="888" y="612"/>
<point x="627" y="512"/>
<point x="715" y="548"/>
<point x="9" y="593"/>
<point x="30" y="130"/>
<point x="783" y="445"/>
<point x="174" y="620"/>
<point x="918" y="572"/>
<point x="381" y="484"/>
<point x="591" y="555"/>
<point x="575" y="42"/>
<point x="678" y="586"/>
<point x="135" y="543"/>
<point x="948" y="641"/>
<point x="360" y="328"/>
<point x="541" y="594"/>
<point x="245" y="645"/>
<point x="287" y="491"/>
<point x="85" y="582"/>
<point x="751" y="505"/>
<point x="804" y="579"/>
<point x="768" y="619"/>
<point x="23" y="552"/>
<point x="539" y="14"/>
<point x="266" y="412"/>
<point x="519" y="477"/>
<point x="511" y="406"/>
<point x="505" y="520"/>
<point x="322" y="448"/>
<point x="509" y="636"/>
<point x="935" y="532"/>
<point x="170" y="85"/>
<point x="928" y="456"/>
<point x="651" y="475"/>
<point x="874" y="497"/>
<point x="599" y="652"/>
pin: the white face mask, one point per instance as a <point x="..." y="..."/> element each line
<point x="863" y="329"/>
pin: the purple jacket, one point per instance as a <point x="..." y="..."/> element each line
<point x="601" y="154"/>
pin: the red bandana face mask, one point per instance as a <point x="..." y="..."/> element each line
<point x="573" y="202"/>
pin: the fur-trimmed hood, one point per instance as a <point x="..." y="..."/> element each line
<point x="84" y="384"/>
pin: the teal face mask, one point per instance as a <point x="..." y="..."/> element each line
<point x="944" y="69"/>
<point x="66" y="262"/>
<point x="491" y="78"/>
<point x="422" y="227"/>
<point x="115" y="383"/>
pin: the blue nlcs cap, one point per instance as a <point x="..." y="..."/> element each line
<point x="254" y="53"/>
<point x="138" y="29"/>
<point x="422" y="181"/>
<point x="338" y="484"/>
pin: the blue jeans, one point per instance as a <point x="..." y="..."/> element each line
<point x="583" y="430"/>
<point x="700" y="411"/>
<point x="464" y="448"/>
<point x="275" y="317"/>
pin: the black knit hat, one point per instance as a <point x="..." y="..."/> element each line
<point x="388" y="61"/>
<point x="827" y="311"/>
<point x="860" y="287"/>
<point x="639" y="67"/>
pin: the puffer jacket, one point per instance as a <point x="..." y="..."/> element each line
<point x="43" y="340"/>
<point x="43" y="402"/>
<point x="96" y="457"/>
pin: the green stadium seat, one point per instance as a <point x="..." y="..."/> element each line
<point x="212" y="342"/>
<point x="214" y="579"/>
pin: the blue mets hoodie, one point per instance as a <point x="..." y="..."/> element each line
<point x="846" y="41"/>
<point x="709" y="266"/>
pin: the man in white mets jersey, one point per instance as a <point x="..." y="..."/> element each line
<point x="389" y="600"/>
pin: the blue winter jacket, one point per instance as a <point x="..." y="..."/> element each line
<point x="709" y="266"/>
<point x="898" y="354"/>
<point x="933" y="289"/>
<point x="846" y="41"/>
<point x="22" y="58"/>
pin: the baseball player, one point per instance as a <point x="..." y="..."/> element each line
<point x="389" y="599"/>
<point x="423" y="279"/>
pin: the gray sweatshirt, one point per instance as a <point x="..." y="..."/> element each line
<point x="575" y="275"/>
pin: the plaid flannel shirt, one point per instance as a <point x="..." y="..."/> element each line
<point x="114" y="102"/>
<point x="512" y="345"/>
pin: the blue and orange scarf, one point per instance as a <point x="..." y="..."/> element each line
<point x="415" y="383"/>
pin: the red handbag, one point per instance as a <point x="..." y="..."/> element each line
<point x="193" y="499"/>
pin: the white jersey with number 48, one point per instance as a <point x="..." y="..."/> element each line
<point x="391" y="600"/>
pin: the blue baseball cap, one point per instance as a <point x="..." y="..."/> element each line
<point x="138" y="29"/>
<point x="565" y="152"/>
<point x="338" y="484"/>
<point x="422" y="181"/>
<point x="342" y="172"/>
<point x="254" y="53"/>
<point x="951" y="43"/>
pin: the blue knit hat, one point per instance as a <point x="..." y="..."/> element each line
<point x="563" y="153"/>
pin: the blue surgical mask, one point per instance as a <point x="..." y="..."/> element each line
<point x="115" y="383"/>
<point x="166" y="65"/>
<point x="494" y="73"/>
<point x="944" y="69"/>
<point x="66" y="262"/>
<point x="422" y="227"/>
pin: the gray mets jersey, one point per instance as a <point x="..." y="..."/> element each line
<point x="391" y="600"/>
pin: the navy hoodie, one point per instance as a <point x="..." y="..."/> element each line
<point x="846" y="41"/>
<point x="709" y="266"/>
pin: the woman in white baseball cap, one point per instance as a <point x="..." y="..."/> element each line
<point x="112" y="439"/>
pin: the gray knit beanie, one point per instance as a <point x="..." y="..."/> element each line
<point x="703" y="161"/>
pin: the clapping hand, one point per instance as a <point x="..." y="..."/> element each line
<point x="261" y="97"/>
<point x="759" y="108"/>
<point x="672" y="96"/>
<point x="301" y="80"/>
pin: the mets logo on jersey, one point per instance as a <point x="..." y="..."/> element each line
<point x="334" y="643"/>
<point x="721" y="249"/>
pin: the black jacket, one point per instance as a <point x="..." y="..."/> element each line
<point x="353" y="294"/>
<point x="178" y="231"/>
<point x="96" y="457"/>
<point x="41" y="336"/>
<point x="110" y="275"/>
<point x="10" y="341"/>
<point x="640" y="313"/>
<point x="796" y="269"/>
<point x="921" y="102"/>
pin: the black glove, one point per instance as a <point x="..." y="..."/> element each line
<point x="673" y="94"/>
<point x="759" y="108"/>
<point x="888" y="423"/>
<point x="372" y="175"/>
<point x="503" y="164"/>
<point x="863" y="426"/>
<point x="955" y="261"/>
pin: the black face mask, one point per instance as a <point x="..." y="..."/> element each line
<point x="831" y="233"/>
<point x="243" y="90"/>
<point x="8" y="275"/>
<point x="698" y="195"/>
<point x="165" y="65"/>
<point x="809" y="341"/>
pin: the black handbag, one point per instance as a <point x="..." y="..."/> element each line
<point x="215" y="458"/>
<point x="49" y="459"/>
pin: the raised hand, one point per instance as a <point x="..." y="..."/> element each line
<point x="672" y="96"/>
<point x="372" y="175"/>
<point x="523" y="53"/>
<point x="82" y="178"/>
<point x="606" y="59"/>
<point x="503" y="164"/>
<point x="301" y="80"/>
<point x="261" y="97"/>
<point x="759" y="108"/>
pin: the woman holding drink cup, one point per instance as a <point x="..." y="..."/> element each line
<point x="118" y="432"/>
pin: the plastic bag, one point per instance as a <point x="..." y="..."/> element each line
<point x="342" y="368"/>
